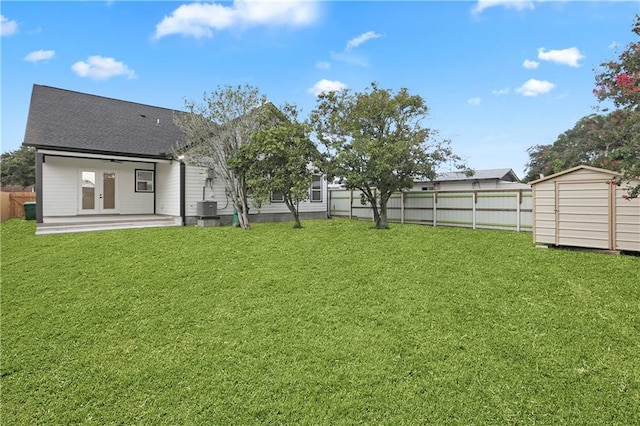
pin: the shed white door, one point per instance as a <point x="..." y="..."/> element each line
<point x="583" y="217"/>
<point x="97" y="192"/>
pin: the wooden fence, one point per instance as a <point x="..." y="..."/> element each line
<point x="482" y="209"/>
<point x="12" y="204"/>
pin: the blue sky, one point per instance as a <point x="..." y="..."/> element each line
<point x="499" y="76"/>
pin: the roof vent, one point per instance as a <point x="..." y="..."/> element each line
<point x="157" y="121"/>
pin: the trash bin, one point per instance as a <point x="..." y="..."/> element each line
<point x="235" y="219"/>
<point x="30" y="210"/>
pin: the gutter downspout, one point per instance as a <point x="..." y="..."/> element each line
<point x="182" y="192"/>
<point x="155" y="188"/>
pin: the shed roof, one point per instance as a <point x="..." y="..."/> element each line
<point x="79" y="122"/>
<point x="507" y="175"/>
<point x="573" y="169"/>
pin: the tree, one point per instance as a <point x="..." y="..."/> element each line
<point x="606" y="141"/>
<point x="215" y="130"/>
<point x="610" y="140"/>
<point x="280" y="159"/>
<point x="376" y="142"/>
<point x="19" y="167"/>
<point x="619" y="82"/>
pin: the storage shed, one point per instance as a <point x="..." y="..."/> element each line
<point x="583" y="207"/>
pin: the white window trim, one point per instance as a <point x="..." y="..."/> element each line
<point x="274" y="200"/>
<point x="313" y="190"/>
<point x="151" y="181"/>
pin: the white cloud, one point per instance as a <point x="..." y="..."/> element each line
<point x="40" y="55"/>
<point x="512" y="4"/>
<point x="570" y="56"/>
<point x="499" y="92"/>
<point x="535" y="87"/>
<point x="325" y="85"/>
<point x="474" y="101"/>
<point x="200" y="19"/>
<point x="530" y="65"/>
<point x="101" y="68"/>
<point x="350" y="58"/>
<point x="7" y="26"/>
<point x="357" y="41"/>
<point x="323" y="65"/>
<point x="613" y="45"/>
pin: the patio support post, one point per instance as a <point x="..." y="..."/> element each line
<point x="39" y="163"/>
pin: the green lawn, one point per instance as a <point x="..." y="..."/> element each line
<point x="336" y="323"/>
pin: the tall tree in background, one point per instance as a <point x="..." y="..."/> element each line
<point x="18" y="167"/>
<point x="215" y="130"/>
<point x="597" y="140"/>
<point x="280" y="159"/>
<point x="610" y="140"/>
<point x="376" y="142"/>
<point x="620" y="82"/>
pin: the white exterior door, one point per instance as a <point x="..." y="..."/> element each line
<point x="98" y="192"/>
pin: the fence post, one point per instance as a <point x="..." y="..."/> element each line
<point x="350" y="204"/>
<point x="402" y="207"/>
<point x="435" y="208"/>
<point x="474" y="201"/>
<point x="518" y="202"/>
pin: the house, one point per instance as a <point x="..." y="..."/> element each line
<point x="481" y="179"/>
<point x="584" y="207"/>
<point x="101" y="159"/>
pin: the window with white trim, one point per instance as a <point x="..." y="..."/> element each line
<point x="144" y="180"/>
<point x="316" y="188"/>
<point x="277" y="197"/>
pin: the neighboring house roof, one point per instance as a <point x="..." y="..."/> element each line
<point x="507" y="175"/>
<point x="78" y="122"/>
<point x="573" y="169"/>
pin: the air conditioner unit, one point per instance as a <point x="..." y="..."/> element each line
<point x="207" y="209"/>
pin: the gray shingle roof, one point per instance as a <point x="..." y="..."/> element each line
<point x="499" y="174"/>
<point x="72" y="121"/>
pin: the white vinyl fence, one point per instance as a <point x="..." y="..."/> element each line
<point x="482" y="209"/>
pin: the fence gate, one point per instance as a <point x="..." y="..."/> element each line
<point x="13" y="203"/>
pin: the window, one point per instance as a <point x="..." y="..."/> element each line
<point x="277" y="197"/>
<point x="316" y="188"/>
<point x="144" y="180"/>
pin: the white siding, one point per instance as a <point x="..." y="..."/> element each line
<point x="195" y="182"/>
<point x="168" y="189"/>
<point x="61" y="180"/>
<point x="195" y="178"/>
<point x="60" y="187"/>
<point x="132" y="202"/>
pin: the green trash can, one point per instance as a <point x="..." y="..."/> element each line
<point x="235" y="219"/>
<point x="30" y="210"/>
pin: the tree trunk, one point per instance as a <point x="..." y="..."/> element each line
<point x="244" y="214"/>
<point x="294" y="212"/>
<point x="376" y="212"/>
<point x="382" y="222"/>
<point x="244" y="220"/>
